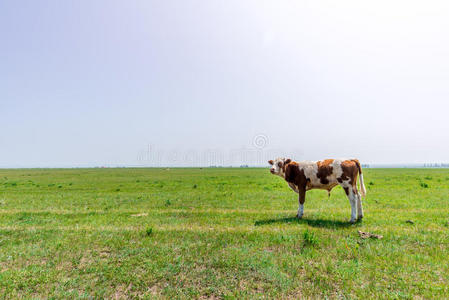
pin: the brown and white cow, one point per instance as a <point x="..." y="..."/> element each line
<point x="324" y="174"/>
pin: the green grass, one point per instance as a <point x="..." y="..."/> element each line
<point x="224" y="233"/>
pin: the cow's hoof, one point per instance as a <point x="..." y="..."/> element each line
<point x="352" y="221"/>
<point x="299" y="217"/>
<point x="359" y="218"/>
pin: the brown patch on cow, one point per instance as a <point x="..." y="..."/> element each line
<point x="324" y="170"/>
<point x="270" y="162"/>
<point x="357" y="163"/>
<point x="295" y="175"/>
<point x="302" y="196"/>
<point x="291" y="172"/>
<point x="350" y="171"/>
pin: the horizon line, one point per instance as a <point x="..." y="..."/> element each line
<point x="117" y="166"/>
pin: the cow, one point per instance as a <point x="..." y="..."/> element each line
<point x="324" y="174"/>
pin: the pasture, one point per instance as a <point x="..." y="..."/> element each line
<point x="219" y="233"/>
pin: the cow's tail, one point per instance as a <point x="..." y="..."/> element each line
<point x="362" y="185"/>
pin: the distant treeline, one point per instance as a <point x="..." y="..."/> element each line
<point x="436" y="165"/>
<point x="425" y="165"/>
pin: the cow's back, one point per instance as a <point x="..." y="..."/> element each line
<point x="326" y="174"/>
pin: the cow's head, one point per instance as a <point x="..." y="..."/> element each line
<point x="278" y="166"/>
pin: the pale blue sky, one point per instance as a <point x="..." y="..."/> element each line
<point x="86" y="83"/>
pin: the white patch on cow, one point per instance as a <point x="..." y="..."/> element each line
<point x="310" y="169"/>
<point x="338" y="171"/>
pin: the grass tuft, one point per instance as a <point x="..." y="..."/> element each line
<point x="149" y="231"/>
<point x="424" y="185"/>
<point x="309" y="238"/>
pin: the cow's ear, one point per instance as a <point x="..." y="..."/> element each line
<point x="270" y="162"/>
<point x="287" y="161"/>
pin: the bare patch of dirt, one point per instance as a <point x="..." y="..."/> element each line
<point x="140" y="215"/>
<point x="122" y="292"/>
<point x="366" y="235"/>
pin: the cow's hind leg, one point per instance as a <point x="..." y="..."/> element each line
<point x="359" y="206"/>
<point x="352" y="200"/>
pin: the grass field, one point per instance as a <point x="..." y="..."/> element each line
<point x="219" y="233"/>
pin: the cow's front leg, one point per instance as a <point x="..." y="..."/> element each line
<point x="301" y="200"/>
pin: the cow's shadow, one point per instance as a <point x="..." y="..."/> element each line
<point x="323" y="223"/>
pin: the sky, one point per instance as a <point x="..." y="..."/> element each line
<point x="179" y="83"/>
